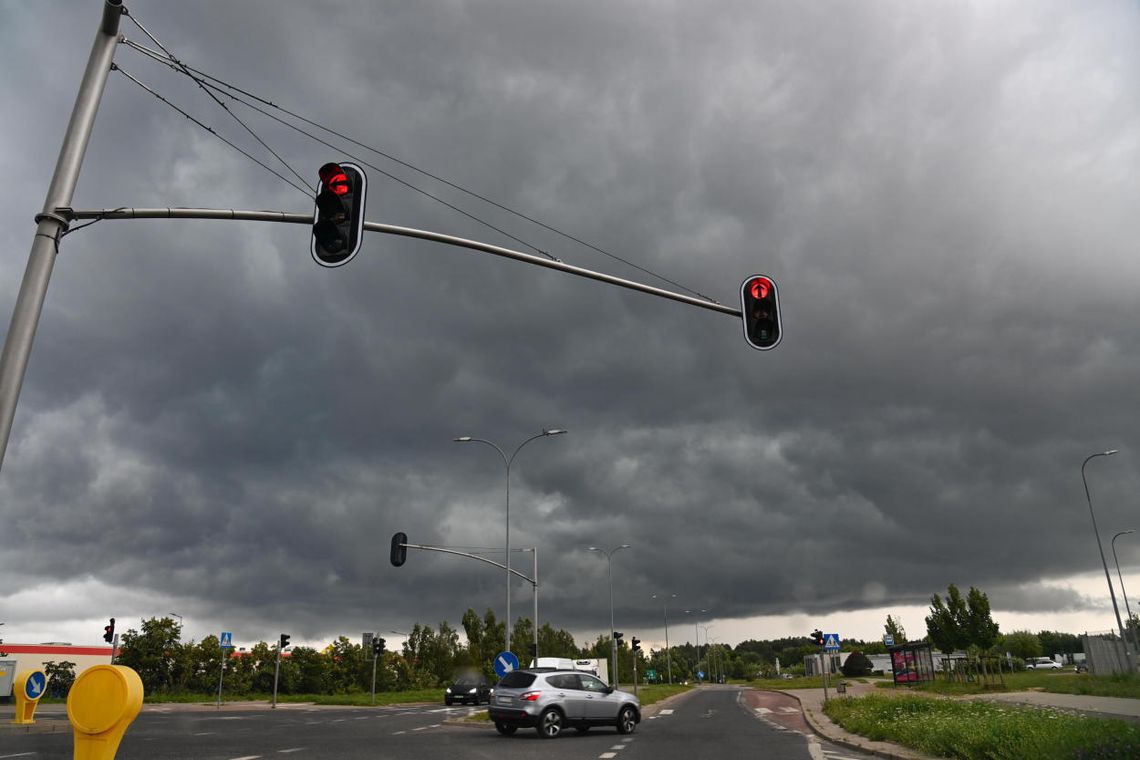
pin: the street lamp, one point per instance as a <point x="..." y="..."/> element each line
<point x="668" y="654"/>
<point x="709" y="651"/>
<point x="697" y="639"/>
<point x="610" y="566"/>
<point x="1099" y="546"/>
<point x="508" y="461"/>
<point x="1127" y="609"/>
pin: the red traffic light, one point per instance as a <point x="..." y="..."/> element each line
<point x="333" y="178"/>
<point x="760" y="312"/>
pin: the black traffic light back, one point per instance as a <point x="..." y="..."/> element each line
<point x="283" y="642"/>
<point x="760" y="310"/>
<point x="399" y="549"/>
<point x="109" y="632"/>
<point x="635" y="644"/>
<point x="377" y="646"/>
<point x="338" y="228"/>
<point x="618" y="635"/>
<point x="817" y="637"/>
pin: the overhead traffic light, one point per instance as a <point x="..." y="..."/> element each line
<point x="635" y="644"/>
<point x="377" y="646"/>
<point x="283" y="642"/>
<point x="399" y="549"/>
<point x="817" y="637"/>
<point x="109" y="632"/>
<point x="338" y="227"/>
<point x="760" y="310"/>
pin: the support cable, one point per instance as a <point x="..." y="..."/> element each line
<point x="271" y="104"/>
<point x="183" y="68"/>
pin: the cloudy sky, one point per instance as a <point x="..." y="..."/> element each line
<point x="214" y="426"/>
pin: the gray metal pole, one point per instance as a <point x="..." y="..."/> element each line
<point x="1120" y="576"/>
<point x="1100" y="548"/>
<point x="49" y="225"/>
<point x="535" y="550"/>
<point x="276" y="673"/>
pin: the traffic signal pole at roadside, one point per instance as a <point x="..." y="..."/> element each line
<point x="50" y="225"/>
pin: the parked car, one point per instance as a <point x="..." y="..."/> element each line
<point x="552" y="700"/>
<point x="1042" y="663"/>
<point x="468" y="687"/>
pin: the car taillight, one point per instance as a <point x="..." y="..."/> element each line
<point x="530" y="696"/>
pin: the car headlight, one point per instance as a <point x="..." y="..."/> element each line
<point x="447" y="690"/>
<point x="472" y="691"/>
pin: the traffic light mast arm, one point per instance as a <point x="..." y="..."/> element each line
<point x="499" y="565"/>
<point x="391" y="229"/>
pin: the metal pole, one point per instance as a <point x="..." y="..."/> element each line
<point x="613" y="638"/>
<point x="535" y="550"/>
<point x="1127" y="608"/>
<point x="509" y="462"/>
<point x="276" y="673"/>
<point x="49" y="225"/>
<point x="221" y="672"/>
<point x="373" y="674"/>
<point x="1100" y="547"/>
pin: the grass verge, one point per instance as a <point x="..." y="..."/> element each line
<point x="972" y="730"/>
<point x="1057" y="682"/>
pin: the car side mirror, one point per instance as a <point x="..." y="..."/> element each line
<point x="609" y="690"/>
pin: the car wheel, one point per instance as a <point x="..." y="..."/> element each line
<point x="627" y="720"/>
<point x="549" y="724"/>
<point x="506" y="729"/>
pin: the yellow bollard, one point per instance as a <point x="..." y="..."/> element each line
<point x="102" y="703"/>
<point x="28" y="687"/>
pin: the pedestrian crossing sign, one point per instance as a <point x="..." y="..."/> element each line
<point x="831" y="642"/>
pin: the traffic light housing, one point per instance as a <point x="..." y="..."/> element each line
<point x="817" y="637"/>
<point x="399" y="549"/>
<point x="760" y="310"/>
<point x="618" y="635"/>
<point x="635" y="644"/>
<point x="377" y="647"/>
<point x="283" y="642"/>
<point x="338" y="221"/>
<point x="109" y="632"/>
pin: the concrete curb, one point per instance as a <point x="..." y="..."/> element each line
<point x="824" y="727"/>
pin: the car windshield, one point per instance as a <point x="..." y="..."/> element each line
<point x="517" y="679"/>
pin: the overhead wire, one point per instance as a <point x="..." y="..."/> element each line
<point x="223" y="106"/>
<point x="200" y="76"/>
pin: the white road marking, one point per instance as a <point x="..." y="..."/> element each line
<point x="397" y="733"/>
<point x="247" y="757"/>
<point x="665" y="712"/>
<point x="24" y="754"/>
<point x="786" y="709"/>
<point x="291" y="749"/>
<point x="618" y="746"/>
<point x="205" y="733"/>
<point x="762" y="710"/>
<point x="814" y="749"/>
<point x="607" y="755"/>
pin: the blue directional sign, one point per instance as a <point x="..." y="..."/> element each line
<point x="831" y="642"/>
<point x="505" y="662"/>
<point x="701" y="673"/>
<point x="227" y="640"/>
<point x="35" y="685"/>
<point x="888" y="640"/>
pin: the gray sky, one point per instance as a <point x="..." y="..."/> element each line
<point x="946" y="192"/>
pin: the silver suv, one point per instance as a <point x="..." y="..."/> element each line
<point x="551" y="700"/>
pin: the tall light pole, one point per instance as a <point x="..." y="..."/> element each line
<point x="668" y="654"/>
<point x="697" y="639"/>
<point x="1100" y="547"/>
<point x="1127" y="609"/>
<point x="610" y="565"/>
<point x="708" y="650"/>
<point x="508" y="461"/>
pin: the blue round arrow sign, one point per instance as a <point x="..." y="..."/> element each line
<point x="505" y="662"/>
<point x="35" y="685"/>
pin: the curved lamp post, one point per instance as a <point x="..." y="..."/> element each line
<point x="668" y="655"/>
<point x="1127" y="609"/>
<point x="1099" y="546"/>
<point x="508" y="461"/>
<point x="610" y="567"/>
<point x="697" y="639"/>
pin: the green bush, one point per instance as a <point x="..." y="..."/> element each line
<point x="857" y="664"/>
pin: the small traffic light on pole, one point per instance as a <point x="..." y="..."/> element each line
<point x="399" y="549"/>
<point x="283" y="642"/>
<point x="338" y="227"/>
<point x="618" y="635"/>
<point x="377" y="646"/>
<point x="109" y="632"/>
<point x="817" y="637"/>
<point x="760" y="310"/>
<point x="635" y="644"/>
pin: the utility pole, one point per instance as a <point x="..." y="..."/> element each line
<point x="50" y="226"/>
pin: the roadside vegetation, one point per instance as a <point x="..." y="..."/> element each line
<point x="1056" y="682"/>
<point x="978" y="730"/>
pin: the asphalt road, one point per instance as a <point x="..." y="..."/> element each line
<point x="724" y="722"/>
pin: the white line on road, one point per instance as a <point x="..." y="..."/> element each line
<point x="789" y="709"/>
<point x="21" y="754"/>
<point x="254" y="757"/>
<point x="814" y="749"/>
<point x="205" y="733"/>
<point x="291" y="749"/>
<point x="607" y="755"/>
<point x="762" y="710"/>
<point x="665" y="712"/>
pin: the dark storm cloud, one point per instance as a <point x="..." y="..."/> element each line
<point x="942" y="191"/>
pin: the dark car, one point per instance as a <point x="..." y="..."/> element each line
<point x="468" y="688"/>
<point x="551" y="700"/>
